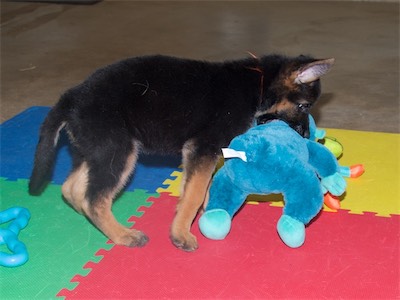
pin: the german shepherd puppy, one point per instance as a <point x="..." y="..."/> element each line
<point x="166" y="105"/>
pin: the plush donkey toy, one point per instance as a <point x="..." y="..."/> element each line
<point x="272" y="158"/>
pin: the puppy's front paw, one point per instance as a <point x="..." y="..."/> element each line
<point x="186" y="242"/>
<point x="132" y="238"/>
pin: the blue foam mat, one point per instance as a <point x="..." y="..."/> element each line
<point x="19" y="137"/>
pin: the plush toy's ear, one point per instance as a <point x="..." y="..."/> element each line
<point x="313" y="71"/>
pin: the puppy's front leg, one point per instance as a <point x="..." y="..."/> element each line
<point x="195" y="187"/>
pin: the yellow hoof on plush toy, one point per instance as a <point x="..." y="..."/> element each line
<point x="291" y="231"/>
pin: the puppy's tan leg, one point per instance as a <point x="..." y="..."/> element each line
<point x="101" y="215"/>
<point x="98" y="210"/>
<point x="74" y="188"/>
<point x="195" y="188"/>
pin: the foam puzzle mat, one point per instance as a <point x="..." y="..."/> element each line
<point x="19" y="137"/>
<point x="352" y="253"/>
<point x="338" y="260"/>
<point x="59" y="240"/>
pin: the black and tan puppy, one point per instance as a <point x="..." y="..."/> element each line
<point x="159" y="104"/>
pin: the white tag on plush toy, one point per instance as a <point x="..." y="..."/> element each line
<point x="230" y="153"/>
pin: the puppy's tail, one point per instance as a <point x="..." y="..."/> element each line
<point x="46" y="149"/>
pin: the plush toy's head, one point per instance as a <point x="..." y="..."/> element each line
<point x="272" y="158"/>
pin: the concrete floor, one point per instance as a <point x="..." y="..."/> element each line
<point x="47" y="48"/>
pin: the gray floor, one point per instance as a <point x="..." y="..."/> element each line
<point x="47" y="48"/>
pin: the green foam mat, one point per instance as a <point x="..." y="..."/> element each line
<point x="59" y="240"/>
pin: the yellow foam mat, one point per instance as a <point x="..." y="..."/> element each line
<point x="377" y="190"/>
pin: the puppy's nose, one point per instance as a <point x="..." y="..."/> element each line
<point x="306" y="134"/>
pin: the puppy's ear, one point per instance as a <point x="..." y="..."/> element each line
<point x="313" y="71"/>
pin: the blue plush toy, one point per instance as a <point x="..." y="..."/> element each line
<point x="272" y="158"/>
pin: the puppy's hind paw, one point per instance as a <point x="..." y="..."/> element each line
<point x="133" y="238"/>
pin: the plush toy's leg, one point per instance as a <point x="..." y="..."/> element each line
<point x="225" y="194"/>
<point x="291" y="231"/>
<point x="215" y="224"/>
<point x="225" y="200"/>
<point x="301" y="205"/>
<point x="305" y="202"/>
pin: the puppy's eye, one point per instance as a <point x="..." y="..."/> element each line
<point x="304" y="107"/>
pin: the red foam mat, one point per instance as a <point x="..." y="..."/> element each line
<point x="345" y="256"/>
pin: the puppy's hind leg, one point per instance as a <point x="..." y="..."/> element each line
<point x="74" y="188"/>
<point x="106" y="176"/>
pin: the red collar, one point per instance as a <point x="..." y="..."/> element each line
<point x="259" y="70"/>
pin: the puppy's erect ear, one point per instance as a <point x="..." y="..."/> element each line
<point x="313" y="71"/>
